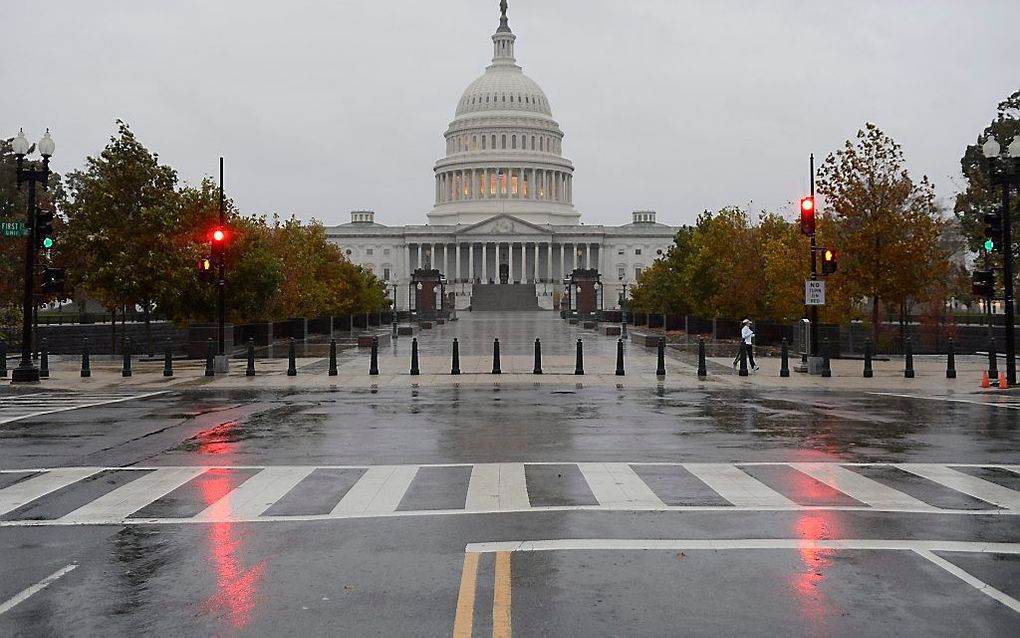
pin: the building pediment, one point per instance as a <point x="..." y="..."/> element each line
<point x="503" y="225"/>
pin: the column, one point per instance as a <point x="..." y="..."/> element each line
<point x="485" y="262"/>
<point x="407" y="259"/>
<point x="562" y="263"/>
<point x="548" y="263"/>
<point x="573" y="251"/>
<point x="471" y="262"/>
<point x="587" y="255"/>
<point x="510" y="260"/>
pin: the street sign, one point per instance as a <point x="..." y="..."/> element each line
<point x="12" y="229"/>
<point x="814" y="293"/>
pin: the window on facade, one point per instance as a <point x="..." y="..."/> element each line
<point x="483" y="142"/>
<point x="386" y="251"/>
<point x="621" y="273"/>
<point x="369" y="251"/>
<point x="532" y="142"/>
<point x="637" y="273"/>
<point x="541" y="144"/>
<point x="386" y="274"/>
<point x="504" y="141"/>
<point x="513" y="185"/>
<point x="493" y="142"/>
<point x="620" y="251"/>
<point x="513" y="142"/>
<point x="637" y="251"/>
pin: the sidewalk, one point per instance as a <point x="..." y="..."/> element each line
<point x="640" y="363"/>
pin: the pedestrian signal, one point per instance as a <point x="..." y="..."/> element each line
<point x="828" y="261"/>
<point x="983" y="283"/>
<point x="807" y="215"/>
<point x="53" y="280"/>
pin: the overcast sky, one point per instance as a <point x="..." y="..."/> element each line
<point x="321" y="107"/>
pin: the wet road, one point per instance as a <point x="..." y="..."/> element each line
<point x="564" y="510"/>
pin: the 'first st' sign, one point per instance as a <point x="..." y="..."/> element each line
<point x="814" y="293"/>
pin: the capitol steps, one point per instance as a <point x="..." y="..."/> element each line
<point x="503" y="297"/>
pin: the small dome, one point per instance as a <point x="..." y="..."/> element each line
<point x="504" y="88"/>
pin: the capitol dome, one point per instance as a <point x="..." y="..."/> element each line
<point x="504" y="149"/>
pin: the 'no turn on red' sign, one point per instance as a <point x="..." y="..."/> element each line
<point x="814" y="293"/>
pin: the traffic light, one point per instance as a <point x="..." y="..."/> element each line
<point x="983" y="283"/>
<point x="205" y="269"/>
<point x="53" y="280"/>
<point x="218" y="237"/>
<point x="807" y="215"/>
<point x="993" y="232"/>
<point x="44" y="229"/>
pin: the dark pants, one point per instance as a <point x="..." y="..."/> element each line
<point x="749" y="349"/>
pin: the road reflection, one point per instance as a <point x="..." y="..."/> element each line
<point x="237" y="587"/>
<point x="815" y="605"/>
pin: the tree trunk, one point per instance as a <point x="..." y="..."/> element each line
<point x="874" y="321"/>
<point x="113" y="332"/>
<point x="903" y="336"/>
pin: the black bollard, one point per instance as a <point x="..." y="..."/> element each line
<point x="538" y="357"/>
<point x="784" y="359"/>
<point x="250" y="370"/>
<point x="44" y="361"/>
<point x="210" y="352"/>
<point x="743" y="360"/>
<point x="3" y="359"/>
<point x="702" y="363"/>
<point x="414" y="358"/>
<point x="168" y="359"/>
<point x="868" y="371"/>
<point x="579" y="365"/>
<point x="291" y="359"/>
<point x="950" y="360"/>
<point x="373" y="366"/>
<point x="455" y="366"/>
<point x="993" y="366"/>
<point x="333" y="370"/>
<point x="619" y="358"/>
<point x="908" y="371"/>
<point x="126" y="372"/>
<point x="660" y="368"/>
<point x="495" y="357"/>
<point x="86" y="366"/>
<point x="826" y="368"/>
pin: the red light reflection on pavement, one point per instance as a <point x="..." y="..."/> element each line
<point x="814" y="604"/>
<point x="216" y="441"/>
<point x="236" y="587"/>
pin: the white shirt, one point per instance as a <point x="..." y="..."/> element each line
<point x="746" y="334"/>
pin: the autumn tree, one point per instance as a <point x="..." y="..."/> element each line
<point x="887" y="226"/>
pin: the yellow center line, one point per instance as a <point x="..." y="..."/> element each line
<point x="501" y="597"/>
<point x="462" y="625"/>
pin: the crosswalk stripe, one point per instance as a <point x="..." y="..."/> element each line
<point x="738" y="487"/>
<point x="956" y="480"/>
<point x="255" y="495"/>
<point x="13" y="497"/>
<point x="617" y="485"/>
<point x="378" y="491"/>
<point x="128" y="499"/>
<point x="497" y="486"/>
<point x="51" y="403"/>
<point x="860" y="487"/>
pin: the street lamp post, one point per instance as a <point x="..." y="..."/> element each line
<point x="417" y="303"/>
<point x="26" y="372"/>
<point x="1004" y="170"/>
<point x="394" y="313"/>
<point x="623" y="309"/>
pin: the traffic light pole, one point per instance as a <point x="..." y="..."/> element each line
<point x="222" y="297"/>
<point x="1007" y="286"/>
<point x="813" y="310"/>
<point x="26" y="372"/>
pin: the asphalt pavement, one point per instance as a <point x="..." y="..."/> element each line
<point x="558" y="508"/>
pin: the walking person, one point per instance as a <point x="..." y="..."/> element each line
<point x="746" y="336"/>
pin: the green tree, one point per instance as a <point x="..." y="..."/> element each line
<point x="122" y="215"/>
<point x="886" y="225"/>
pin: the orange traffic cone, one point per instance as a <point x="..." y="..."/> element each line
<point x="984" y="379"/>
<point x="1002" y="381"/>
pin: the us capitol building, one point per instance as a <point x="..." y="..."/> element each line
<point x="504" y="201"/>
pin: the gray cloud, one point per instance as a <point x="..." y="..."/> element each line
<point x="321" y="107"/>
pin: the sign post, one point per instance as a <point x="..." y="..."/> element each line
<point x="12" y="229"/>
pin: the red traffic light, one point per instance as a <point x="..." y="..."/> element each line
<point x="807" y="215"/>
<point x="219" y="235"/>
